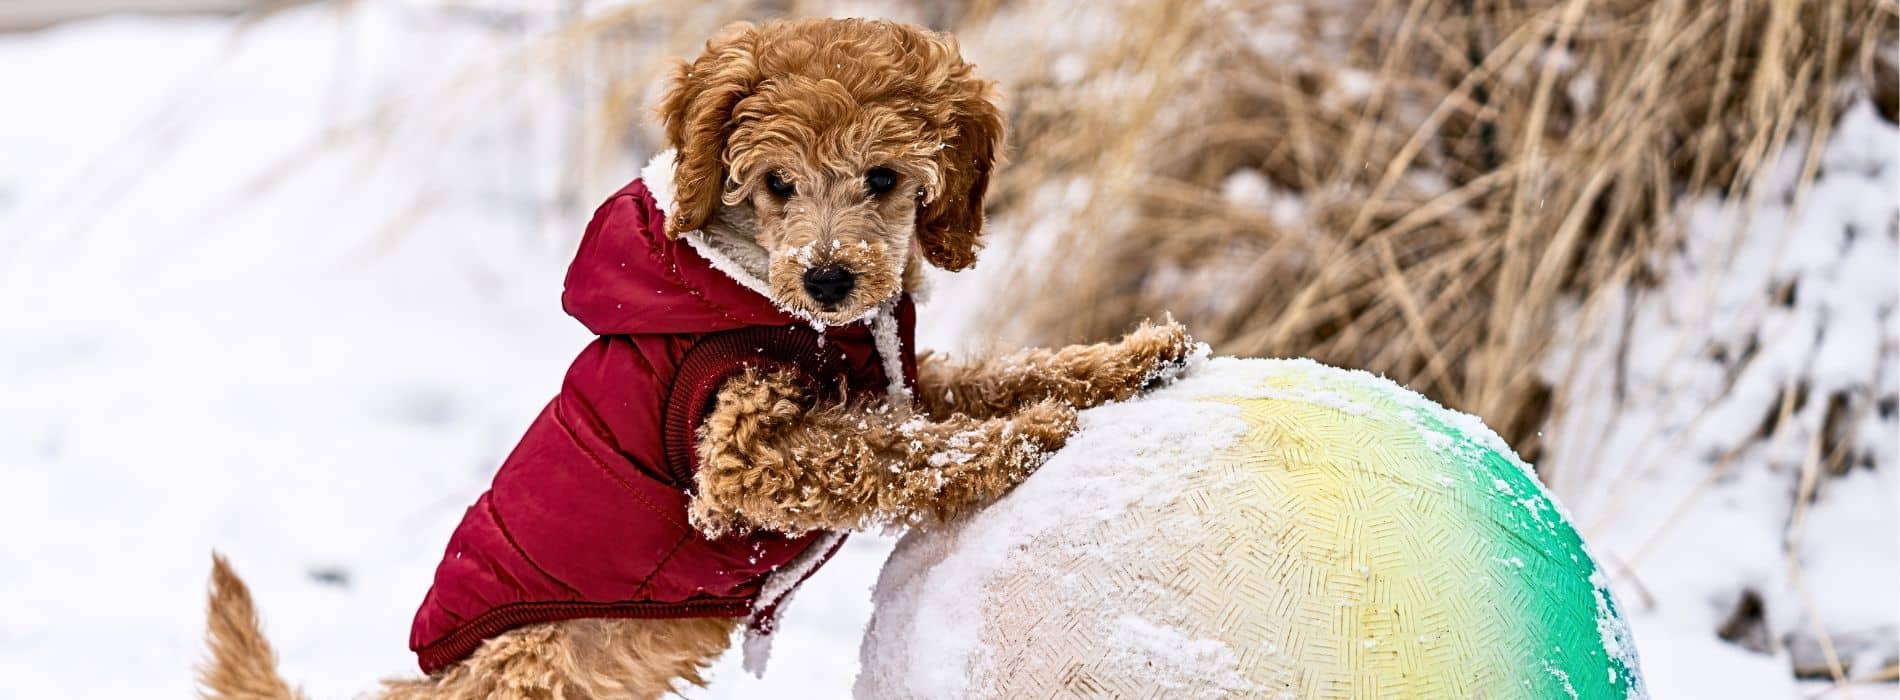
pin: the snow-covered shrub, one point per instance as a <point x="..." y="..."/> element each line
<point x="1729" y="433"/>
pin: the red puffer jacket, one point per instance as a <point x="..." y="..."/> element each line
<point x="587" y="517"/>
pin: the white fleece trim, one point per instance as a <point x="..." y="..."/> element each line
<point x="777" y="589"/>
<point x="730" y="267"/>
<point x="658" y="176"/>
<point x="889" y="345"/>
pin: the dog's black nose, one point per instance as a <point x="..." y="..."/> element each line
<point x="829" y="284"/>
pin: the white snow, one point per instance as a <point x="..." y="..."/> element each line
<point x="1175" y="662"/>
<point x="228" y="323"/>
<point x="1671" y="446"/>
<point x="290" y="289"/>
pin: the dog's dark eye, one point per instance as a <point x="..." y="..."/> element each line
<point x="880" y="180"/>
<point x="778" y="186"/>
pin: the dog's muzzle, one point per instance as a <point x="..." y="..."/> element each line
<point x="830" y="284"/>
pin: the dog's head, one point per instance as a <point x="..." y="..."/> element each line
<point x="855" y="142"/>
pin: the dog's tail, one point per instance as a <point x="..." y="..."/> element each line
<point x="242" y="665"/>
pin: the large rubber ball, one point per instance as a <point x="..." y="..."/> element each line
<point x="1259" y="528"/>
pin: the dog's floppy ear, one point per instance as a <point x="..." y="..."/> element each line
<point x="697" y="111"/>
<point x="949" y="227"/>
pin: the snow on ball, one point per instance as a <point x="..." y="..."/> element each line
<point x="1272" y="528"/>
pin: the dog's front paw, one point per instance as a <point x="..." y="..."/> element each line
<point x="1040" y="428"/>
<point x="713" y="522"/>
<point x="1043" y="427"/>
<point x="1156" y="353"/>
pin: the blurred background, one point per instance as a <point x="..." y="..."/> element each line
<point x="282" y="278"/>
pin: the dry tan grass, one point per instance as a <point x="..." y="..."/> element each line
<point x="1465" y="166"/>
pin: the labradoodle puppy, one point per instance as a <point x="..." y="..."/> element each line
<point x="753" y="392"/>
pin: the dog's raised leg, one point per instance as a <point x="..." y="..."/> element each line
<point x="771" y="459"/>
<point x="1077" y="375"/>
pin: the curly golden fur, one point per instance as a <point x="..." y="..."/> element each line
<point x="772" y="456"/>
<point x="580" y="659"/>
<point x="843" y="145"/>
<point x="1078" y="375"/>
<point x="845" y="140"/>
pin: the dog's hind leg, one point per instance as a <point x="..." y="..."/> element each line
<point x="771" y="459"/>
<point x="573" y="660"/>
<point x="580" y="660"/>
<point x="1078" y="375"/>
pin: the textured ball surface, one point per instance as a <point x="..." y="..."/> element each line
<point x="1273" y="528"/>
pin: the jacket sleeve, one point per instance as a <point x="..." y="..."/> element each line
<point x="717" y="357"/>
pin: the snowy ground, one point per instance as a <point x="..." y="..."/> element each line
<point x="290" y="290"/>
<point x="229" y="323"/>
<point x="1731" y="432"/>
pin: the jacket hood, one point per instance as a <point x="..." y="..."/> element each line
<point x="629" y="278"/>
